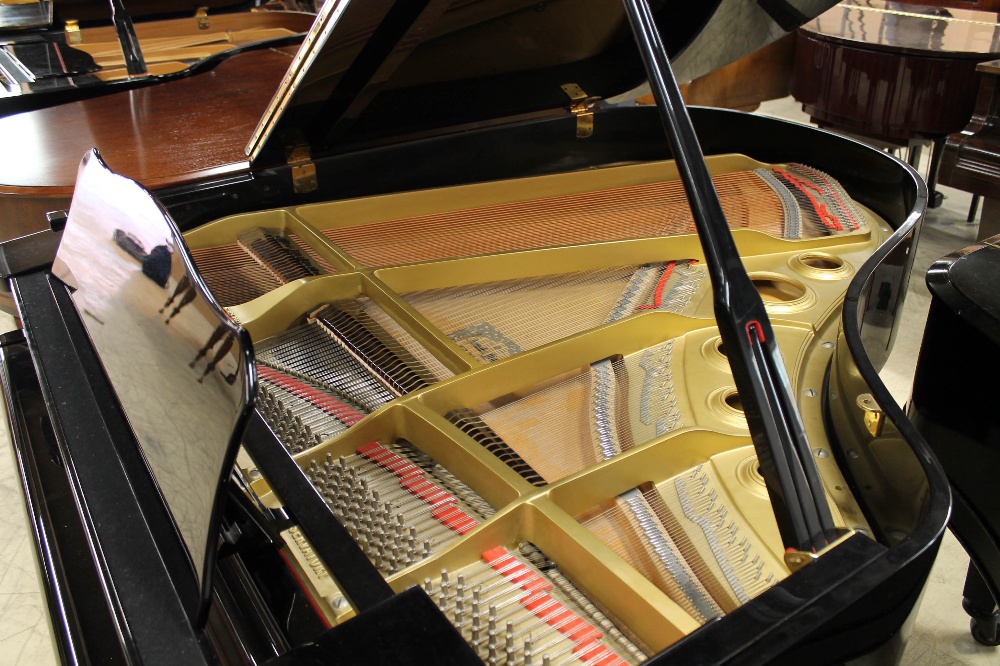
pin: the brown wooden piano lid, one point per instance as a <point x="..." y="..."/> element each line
<point x="162" y="135"/>
<point x="909" y="28"/>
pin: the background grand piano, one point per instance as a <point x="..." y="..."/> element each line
<point x="895" y="74"/>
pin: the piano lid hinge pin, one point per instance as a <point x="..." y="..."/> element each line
<point x="582" y="106"/>
<point x="303" y="169"/>
<point x="201" y="15"/>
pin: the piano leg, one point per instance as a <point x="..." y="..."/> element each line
<point x="989" y="221"/>
<point x="978" y="602"/>
<point x="935" y="198"/>
<point x="973" y="209"/>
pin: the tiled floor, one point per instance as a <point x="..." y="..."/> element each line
<point x="25" y="634"/>
<point x="940" y="636"/>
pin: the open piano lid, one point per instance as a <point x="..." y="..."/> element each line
<point x="380" y="70"/>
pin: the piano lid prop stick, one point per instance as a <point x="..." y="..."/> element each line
<point x="134" y="62"/>
<point x="793" y="482"/>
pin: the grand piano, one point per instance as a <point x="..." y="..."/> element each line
<point x="439" y="378"/>
<point x="895" y="74"/>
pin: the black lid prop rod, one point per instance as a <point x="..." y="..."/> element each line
<point x="135" y="64"/>
<point x="778" y="435"/>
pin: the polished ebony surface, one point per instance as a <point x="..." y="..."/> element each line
<point x="855" y="596"/>
<point x="25" y="15"/>
<point x="953" y="406"/>
<point x="971" y="159"/>
<point x="130" y="569"/>
<point x="452" y="62"/>
<point x="122" y="258"/>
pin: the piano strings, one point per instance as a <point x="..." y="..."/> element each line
<point x="350" y="357"/>
<point x="595" y="414"/>
<point x="259" y="261"/>
<point x="757" y="199"/>
<point x="397" y="503"/>
<point x="682" y="536"/>
<point x="346" y="361"/>
<point x="494" y="320"/>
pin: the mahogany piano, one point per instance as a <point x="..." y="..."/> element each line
<point x="894" y="73"/>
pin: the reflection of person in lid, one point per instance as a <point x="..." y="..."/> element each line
<point x="156" y="265"/>
<point x="187" y="292"/>
<point x="220" y="333"/>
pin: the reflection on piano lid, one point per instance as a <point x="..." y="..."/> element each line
<point x="119" y="256"/>
<point x="42" y="69"/>
<point x="25" y="15"/>
<point x="894" y="73"/>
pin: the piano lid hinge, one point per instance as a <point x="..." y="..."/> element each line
<point x="72" y="31"/>
<point x="873" y="414"/>
<point x="582" y="106"/>
<point x="201" y="16"/>
<point x="303" y="169"/>
<point x="796" y="559"/>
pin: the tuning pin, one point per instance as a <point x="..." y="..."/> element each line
<point x="477" y="610"/>
<point x="491" y="644"/>
<point x="445" y="588"/>
<point x="509" y="642"/>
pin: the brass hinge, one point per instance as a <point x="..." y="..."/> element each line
<point x="72" y="30"/>
<point x="303" y="169"/>
<point x="796" y="559"/>
<point x="582" y="106"/>
<point x="873" y="414"/>
<point x="201" y="14"/>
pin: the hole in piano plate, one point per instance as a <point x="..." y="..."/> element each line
<point x="775" y="289"/>
<point x="817" y="265"/>
<point x="733" y="400"/>
<point x="822" y="262"/>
